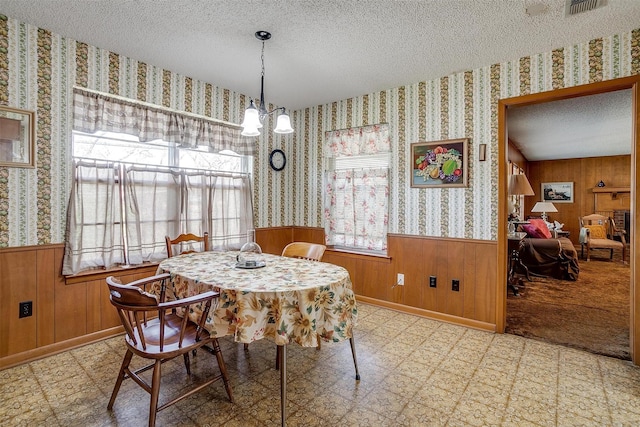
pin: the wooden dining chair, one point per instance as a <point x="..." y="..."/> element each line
<point x="156" y="332"/>
<point x="185" y="240"/>
<point x="304" y="250"/>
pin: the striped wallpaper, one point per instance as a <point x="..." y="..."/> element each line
<point x="38" y="70"/>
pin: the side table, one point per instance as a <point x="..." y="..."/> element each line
<point x="515" y="243"/>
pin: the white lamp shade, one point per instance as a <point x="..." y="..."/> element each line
<point x="283" y="125"/>
<point x="250" y="131"/>
<point x="544" y="207"/>
<point x="251" y="118"/>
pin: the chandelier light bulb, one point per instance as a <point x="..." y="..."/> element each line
<point x="283" y="124"/>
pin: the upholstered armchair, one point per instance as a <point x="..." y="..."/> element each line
<point x="598" y="232"/>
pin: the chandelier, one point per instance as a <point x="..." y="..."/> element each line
<point x="253" y="117"/>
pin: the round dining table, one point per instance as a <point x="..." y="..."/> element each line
<point x="286" y="300"/>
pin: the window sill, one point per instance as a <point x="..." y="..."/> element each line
<point x="355" y="253"/>
<point x="103" y="273"/>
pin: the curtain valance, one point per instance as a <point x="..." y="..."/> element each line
<point x="357" y="141"/>
<point x="95" y="112"/>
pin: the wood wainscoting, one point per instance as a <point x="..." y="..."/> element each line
<point x="73" y="311"/>
<point x="472" y="262"/>
<point x="66" y="313"/>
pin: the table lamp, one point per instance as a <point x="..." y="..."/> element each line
<point x="544" y="207"/>
<point x="519" y="186"/>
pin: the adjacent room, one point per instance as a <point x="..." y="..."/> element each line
<point x="335" y="213"/>
<point x="569" y="279"/>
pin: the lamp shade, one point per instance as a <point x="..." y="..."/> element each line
<point x="283" y="125"/>
<point x="519" y="186"/>
<point x="251" y="119"/>
<point x="250" y="131"/>
<point x="544" y="207"/>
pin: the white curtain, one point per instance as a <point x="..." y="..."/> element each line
<point x="222" y="204"/>
<point x="120" y="214"/>
<point x="153" y="197"/>
<point x="356" y="202"/>
<point x="95" y="205"/>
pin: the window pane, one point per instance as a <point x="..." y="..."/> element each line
<point x="202" y="159"/>
<point x="120" y="148"/>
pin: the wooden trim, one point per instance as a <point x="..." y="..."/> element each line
<point x="631" y="82"/>
<point x="100" y="274"/>
<point x="634" y="320"/>
<point x="611" y="189"/>
<point x="358" y="255"/>
<point x="13" y="249"/>
<point x="439" y="239"/>
<point x="59" y="347"/>
<point x="429" y="314"/>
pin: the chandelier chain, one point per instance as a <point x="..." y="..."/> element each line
<point x="262" y="58"/>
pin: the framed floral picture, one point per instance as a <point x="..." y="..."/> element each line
<point x="439" y="163"/>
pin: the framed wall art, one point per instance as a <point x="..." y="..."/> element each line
<point x="17" y="138"/>
<point x="557" y="192"/>
<point x="439" y="163"/>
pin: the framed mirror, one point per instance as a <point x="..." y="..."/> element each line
<point x="17" y="138"/>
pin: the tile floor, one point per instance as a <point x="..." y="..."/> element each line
<point x="415" y="372"/>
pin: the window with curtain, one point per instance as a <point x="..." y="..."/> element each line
<point x="356" y="187"/>
<point x="141" y="173"/>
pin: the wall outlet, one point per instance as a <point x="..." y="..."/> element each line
<point x="400" y="280"/>
<point x="432" y="281"/>
<point x="26" y="309"/>
<point x="455" y="285"/>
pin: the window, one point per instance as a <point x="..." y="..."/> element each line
<point x="135" y="182"/>
<point x="356" y="187"/>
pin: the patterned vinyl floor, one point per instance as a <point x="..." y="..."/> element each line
<point x="415" y="372"/>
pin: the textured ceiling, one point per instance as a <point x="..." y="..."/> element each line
<point x="323" y="51"/>
<point x="589" y="126"/>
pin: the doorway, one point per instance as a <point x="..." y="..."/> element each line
<point x="632" y="83"/>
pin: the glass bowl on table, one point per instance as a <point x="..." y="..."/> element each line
<point x="250" y="255"/>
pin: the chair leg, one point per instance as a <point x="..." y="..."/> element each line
<point x="355" y="360"/>
<point x="155" y="392"/>
<point x="223" y="369"/>
<point x="187" y="363"/>
<point x="246" y="347"/>
<point x="319" y="346"/>
<point x="125" y="364"/>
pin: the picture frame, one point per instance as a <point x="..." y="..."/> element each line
<point x="439" y="164"/>
<point x="17" y="138"/>
<point x="557" y="192"/>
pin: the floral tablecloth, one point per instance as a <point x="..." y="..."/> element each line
<point x="288" y="300"/>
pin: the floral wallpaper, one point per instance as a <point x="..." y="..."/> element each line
<point x="462" y="105"/>
<point x="38" y="70"/>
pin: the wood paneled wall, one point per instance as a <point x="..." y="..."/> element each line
<point x="585" y="173"/>
<point x="472" y="262"/>
<point x="76" y="310"/>
<point x="65" y="313"/>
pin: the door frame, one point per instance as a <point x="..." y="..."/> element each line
<point x="631" y="82"/>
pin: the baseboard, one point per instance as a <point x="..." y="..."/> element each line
<point x="50" y="350"/>
<point x="461" y="321"/>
